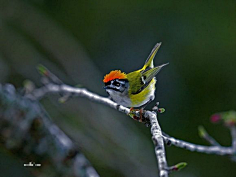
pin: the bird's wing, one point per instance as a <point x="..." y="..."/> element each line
<point x="141" y="81"/>
<point x="148" y="75"/>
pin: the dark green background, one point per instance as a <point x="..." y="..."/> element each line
<point x="81" y="41"/>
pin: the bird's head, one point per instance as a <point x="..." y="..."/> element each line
<point x="115" y="81"/>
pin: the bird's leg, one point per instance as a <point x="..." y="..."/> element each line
<point x="141" y="111"/>
<point x="139" y="118"/>
<point x="133" y="114"/>
<point x="141" y="114"/>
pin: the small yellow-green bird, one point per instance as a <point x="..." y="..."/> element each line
<point x="135" y="89"/>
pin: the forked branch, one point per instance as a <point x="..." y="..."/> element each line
<point x="54" y="85"/>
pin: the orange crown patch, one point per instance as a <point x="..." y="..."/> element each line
<point x="117" y="74"/>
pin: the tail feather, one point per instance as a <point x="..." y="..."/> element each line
<point x="149" y="61"/>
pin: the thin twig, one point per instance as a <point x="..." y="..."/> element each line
<point x="203" y="134"/>
<point x="219" y="150"/>
<point x="75" y="92"/>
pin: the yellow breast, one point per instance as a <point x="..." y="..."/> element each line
<point x="144" y="96"/>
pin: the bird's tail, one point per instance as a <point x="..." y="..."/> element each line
<point x="149" y="61"/>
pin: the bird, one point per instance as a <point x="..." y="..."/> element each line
<point x="135" y="89"/>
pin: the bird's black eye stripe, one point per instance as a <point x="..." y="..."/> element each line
<point x="107" y="83"/>
<point x="117" y="84"/>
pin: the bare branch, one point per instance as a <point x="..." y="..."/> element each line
<point x="219" y="150"/>
<point x="203" y="134"/>
<point x="158" y="143"/>
<point x="56" y="86"/>
<point x="81" y="92"/>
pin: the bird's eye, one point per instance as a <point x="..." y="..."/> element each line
<point x="117" y="84"/>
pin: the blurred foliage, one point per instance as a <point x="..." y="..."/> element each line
<point x="27" y="132"/>
<point x="83" y="40"/>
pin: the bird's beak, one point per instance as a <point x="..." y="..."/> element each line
<point x="107" y="87"/>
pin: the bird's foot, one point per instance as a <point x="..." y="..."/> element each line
<point x="140" y="117"/>
<point x="133" y="114"/>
